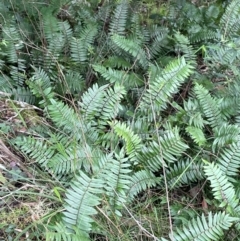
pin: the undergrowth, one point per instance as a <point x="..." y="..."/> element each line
<point x="119" y="120"/>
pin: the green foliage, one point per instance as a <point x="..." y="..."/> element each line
<point x="80" y="199"/>
<point x="229" y="160"/>
<point x="196" y="134"/>
<point x="228" y="23"/>
<point x="209" y="106"/>
<point x="133" y="142"/>
<point x="165" y="85"/>
<point x="119" y="19"/>
<point x="222" y="189"/>
<point x="133" y="101"/>
<point x="184" y="172"/>
<point x="202" y="229"/>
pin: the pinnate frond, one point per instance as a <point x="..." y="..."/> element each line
<point x="205" y="229"/>
<point x="165" y="85"/>
<point x="222" y="189"/>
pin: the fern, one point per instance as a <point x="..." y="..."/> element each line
<point x="133" y="142"/>
<point x="60" y="113"/>
<point x="140" y="181"/>
<point x="83" y="194"/>
<point x="78" y="50"/>
<point x="60" y="232"/>
<point x="115" y="62"/>
<point x="116" y="173"/>
<point x="60" y="155"/>
<point x="183" y="47"/>
<point x="193" y="111"/>
<point x="230" y="19"/>
<point x="158" y="36"/>
<point x="209" y="106"/>
<point x="154" y="155"/>
<point x="91" y="101"/>
<point x="88" y="34"/>
<point x="165" y="85"/>
<point x="110" y="74"/>
<point x="228" y="160"/>
<point x="133" y="48"/>
<point x="222" y="189"/>
<point x="225" y="135"/>
<point x="74" y="81"/>
<point x="197" y="135"/>
<point x="81" y="46"/>
<point x="203" y="229"/>
<point x="119" y="19"/>
<point x="39" y="150"/>
<point x="14" y="43"/>
<point x="102" y="102"/>
<point x="81" y="198"/>
<point x="184" y="172"/>
<point x="204" y="34"/>
<point x="125" y="129"/>
<point x="68" y="156"/>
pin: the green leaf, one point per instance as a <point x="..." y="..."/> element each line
<point x="197" y="135"/>
<point x="205" y="229"/>
<point x="222" y="189"/>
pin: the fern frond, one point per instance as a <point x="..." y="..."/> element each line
<point x="116" y="173"/>
<point x="228" y="107"/>
<point x="60" y="232"/>
<point x="102" y="102"/>
<point x="184" y="172"/>
<point x="40" y="88"/>
<point x="128" y="80"/>
<point x="225" y="135"/>
<point x="80" y="46"/>
<point x="131" y="47"/>
<point x="64" y="117"/>
<point x="110" y="74"/>
<point x="38" y="150"/>
<point x="119" y="20"/>
<point x="60" y="155"/>
<point x="223" y="54"/>
<point x="91" y="101"/>
<point x="197" y="135"/>
<point x="222" y="189"/>
<point x="183" y="47"/>
<point x="116" y="62"/>
<point x="6" y="83"/>
<point x="133" y="141"/>
<point x="193" y="111"/>
<point x="50" y="26"/>
<point x="157" y="44"/>
<point x="137" y="30"/>
<point x="41" y="76"/>
<point x="88" y="34"/>
<point x="74" y="81"/>
<point x="66" y="30"/>
<point x="209" y="106"/>
<point x="111" y="104"/>
<point x="203" y="35"/>
<point x="23" y="94"/>
<point x="229" y="160"/>
<point x="67" y="158"/>
<point x="155" y="155"/>
<point x="165" y="85"/>
<point x="141" y="181"/>
<point x="78" y="50"/>
<point x="230" y="19"/>
<point x="205" y="229"/>
<point x="81" y="198"/>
